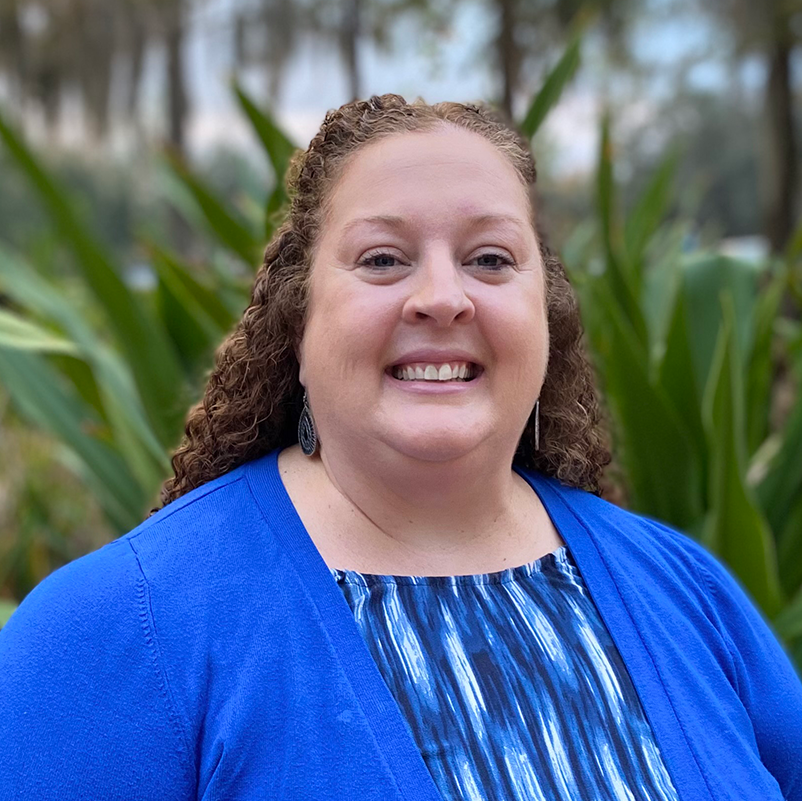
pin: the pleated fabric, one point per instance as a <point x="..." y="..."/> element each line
<point x="510" y="683"/>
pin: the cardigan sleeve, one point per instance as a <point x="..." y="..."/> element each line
<point x="767" y="682"/>
<point x="84" y="706"/>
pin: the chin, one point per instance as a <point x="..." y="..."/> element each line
<point x="434" y="445"/>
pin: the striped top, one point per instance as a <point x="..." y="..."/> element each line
<point x="510" y="683"/>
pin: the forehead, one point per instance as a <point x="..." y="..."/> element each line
<point x="431" y="177"/>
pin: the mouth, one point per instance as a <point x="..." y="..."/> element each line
<point x="441" y="372"/>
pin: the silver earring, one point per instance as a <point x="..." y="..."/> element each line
<point x="537" y="424"/>
<point x="307" y="436"/>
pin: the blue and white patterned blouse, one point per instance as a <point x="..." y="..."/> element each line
<point x="510" y="683"/>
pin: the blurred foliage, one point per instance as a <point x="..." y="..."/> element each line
<point x="105" y="368"/>
<point x="694" y="351"/>
<point x="47" y="517"/>
<point x="720" y="172"/>
<point x="687" y="347"/>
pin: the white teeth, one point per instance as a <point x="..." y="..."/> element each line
<point x="458" y="371"/>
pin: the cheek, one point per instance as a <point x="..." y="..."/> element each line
<point x="361" y="323"/>
<point x="349" y="329"/>
<point x="534" y="328"/>
<point x="518" y="325"/>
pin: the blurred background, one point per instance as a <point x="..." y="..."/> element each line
<point x="142" y="149"/>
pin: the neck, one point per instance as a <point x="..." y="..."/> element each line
<point x="403" y="508"/>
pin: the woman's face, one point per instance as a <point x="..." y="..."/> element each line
<point x="426" y="266"/>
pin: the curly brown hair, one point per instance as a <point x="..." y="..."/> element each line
<point x="253" y="399"/>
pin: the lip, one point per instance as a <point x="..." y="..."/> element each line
<point x="434" y="356"/>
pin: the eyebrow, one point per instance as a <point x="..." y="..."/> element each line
<point x="392" y="221"/>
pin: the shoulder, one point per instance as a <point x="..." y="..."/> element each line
<point x="658" y="569"/>
<point x="106" y="631"/>
<point x="199" y="509"/>
<point x="83" y="682"/>
<point x="637" y="548"/>
<point x="649" y="558"/>
<point x="687" y="603"/>
<point x="653" y="537"/>
<point x="96" y="588"/>
<point x="614" y="527"/>
<point x="99" y="589"/>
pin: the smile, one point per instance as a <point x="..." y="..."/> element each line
<point x="449" y="371"/>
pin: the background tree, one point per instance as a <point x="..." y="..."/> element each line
<point x="772" y="30"/>
<point x="53" y="49"/>
<point x="269" y="33"/>
<point x="529" y="34"/>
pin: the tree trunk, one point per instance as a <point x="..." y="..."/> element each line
<point x="509" y="54"/>
<point x="176" y="92"/>
<point x="350" y="38"/>
<point x="137" y="44"/>
<point x="15" y="56"/>
<point x="782" y="148"/>
<point x="177" y="108"/>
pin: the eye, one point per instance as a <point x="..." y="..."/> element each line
<point x="495" y="262"/>
<point x="379" y="261"/>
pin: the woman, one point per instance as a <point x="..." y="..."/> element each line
<point x="383" y="570"/>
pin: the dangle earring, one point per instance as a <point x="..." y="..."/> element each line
<point x="537" y="424"/>
<point x="307" y="436"/>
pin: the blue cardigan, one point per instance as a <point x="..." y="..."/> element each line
<point x="210" y="654"/>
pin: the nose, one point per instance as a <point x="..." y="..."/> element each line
<point x="438" y="293"/>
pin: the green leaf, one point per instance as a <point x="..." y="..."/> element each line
<point x="231" y="230"/>
<point x="38" y="395"/>
<point x="277" y="144"/>
<point x="662" y="278"/>
<point x="202" y="302"/>
<point x="676" y="378"/>
<point x="788" y="624"/>
<point x="276" y="210"/>
<point x="189" y="337"/>
<point x="149" y="352"/>
<point x="279" y="149"/>
<point x="194" y="315"/>
<point x="789" y="547"/>
<point x="794" y="248"/>
<point x="623" y="286"/>
<point x="112" y="383"/>
<point x="7" y="608"/>
<point x="759" y="365"/>
<point x="144" y="455"/>
<point x="20" y="334"/>
<point x="553" y="86"/>
<point x="80" y="375"/>
<point x="649" y="211"/>
<point x="660" y="461"/>
<point x="736" y="530"/>
<point x="705" y="278"/>
<point x="781" y="486"/>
